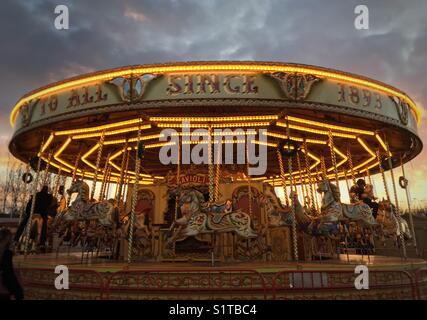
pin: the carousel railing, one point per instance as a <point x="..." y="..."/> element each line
<point x="223" y="283"/>
<point x="327" y="284"/>
<point x="186" y="283"/>
<point x="84" y="284"/>
<point x="421" y="284"/>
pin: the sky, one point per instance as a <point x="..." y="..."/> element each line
<point x="106" y="34"/>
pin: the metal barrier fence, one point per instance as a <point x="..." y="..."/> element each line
<point x="421" y="284"/>
<point x="329" y="284"/>
<point x="223" y="284"/>
<point x="39" y="283"/>
<point x="186" y="284"/>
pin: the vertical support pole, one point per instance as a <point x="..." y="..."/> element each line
<point x="302" y="185"/>
<point x="408" y="200"/>
<point x="122" y="171"/>
<point x="134" y="198"/>
<point x="310" y="179"/>
<point x="24" y="193"/>
<point x="126" y="178"/>
<point x="396" y="214"/>
<point x="210" y="166"/>
<point x="74" y="175"/>
<point x="57" y="182"/>
<point x="291" y="182"/>
<point x="333" y="157"/>
<point x="178" y="179"/>
<point x="104" y="178"/>
<point x="33" y="202"/>
<point x="217" y="171"/>
<point x="98" y="161"/>
<point x="350" y="164"/>
<point x="282" y="176"/>
<point x="248" y="180"/>
<point x="46" y="171"/>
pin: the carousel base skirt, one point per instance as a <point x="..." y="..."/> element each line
<point x="100" y="278"/>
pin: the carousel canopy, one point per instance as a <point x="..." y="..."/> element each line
<point x="325" y="120"/>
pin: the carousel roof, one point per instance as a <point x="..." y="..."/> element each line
<point x="332" y="119"/>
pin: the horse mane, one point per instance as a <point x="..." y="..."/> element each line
<point x="335" y="192"/>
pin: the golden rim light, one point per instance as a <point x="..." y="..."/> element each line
<point x="206" y="67"/>
<point x="303" y="125"/>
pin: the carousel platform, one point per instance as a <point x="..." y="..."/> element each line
<point x="97" y="278"/>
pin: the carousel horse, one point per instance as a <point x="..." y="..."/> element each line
<point x="197" y="217"/>
<point x="277" y="214"/>
<point x="333" y="210"/>
<point x="84" y="209"/>
<point x="391" y="225"/>
<point x="314" y="226"/>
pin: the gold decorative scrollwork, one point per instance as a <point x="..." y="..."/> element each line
<point x="132" y="89"/>
<point x="402" y="109"/>
<point x="295" y="86"/>
<point x="27" y="111"/>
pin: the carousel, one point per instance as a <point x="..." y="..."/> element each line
<point x="228" y="176"/>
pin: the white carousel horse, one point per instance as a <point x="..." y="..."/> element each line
<point x="392" y="226"/>
<point x="333" y="210"/>
<point x="197" y="218"/>
<point x="310" y="224"/>
<point x="84" y="209"/>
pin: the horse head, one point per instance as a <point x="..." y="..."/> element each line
<point x="80" y="187"/>
<point x="323" y="186"/>
<point x="191" y="200"/>
<point x="326" y="187"/>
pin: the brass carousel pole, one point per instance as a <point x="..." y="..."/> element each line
<point x="98" y="162"/>
<point x="291" y="182"/>
<point x="24" y="193"/>
<point x="178" y="178"/>
<point x="408" y="200"/>
<point x="134" y="197"/>
<point x="346" y="181"/>
<point x="302" y="185"/>
<point x="33" y="202"/>
<point x="126" y="178"/>
<point x="122" y="171"/>
<point x="104" y="178"/>
<point x="396" y="214"/>
<point x="351" y="167"/>
<point x="310" y="179"/>
<point x="74" y="175"/>
<point x="57" y="182"/>
<point x="282" y="176"/>
<point x="107" y="187"/>
<point x="248" y="181"/>
<point x="210" y="166"/>
<point x="217" y="174"/>
<point x="46" y="173"/>
<point x="333" y="157"/>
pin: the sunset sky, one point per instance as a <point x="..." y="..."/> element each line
<point x="106" y="34"/>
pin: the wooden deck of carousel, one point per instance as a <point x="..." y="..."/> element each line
<point x="97" y="278"/>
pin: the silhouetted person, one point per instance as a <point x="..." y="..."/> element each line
<point x="357" y="191"/>
<point x="9" y="286"/>
<point x="44" y="207"/>
<point x="24" y="220"/>
<point x="363" y="192"/>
